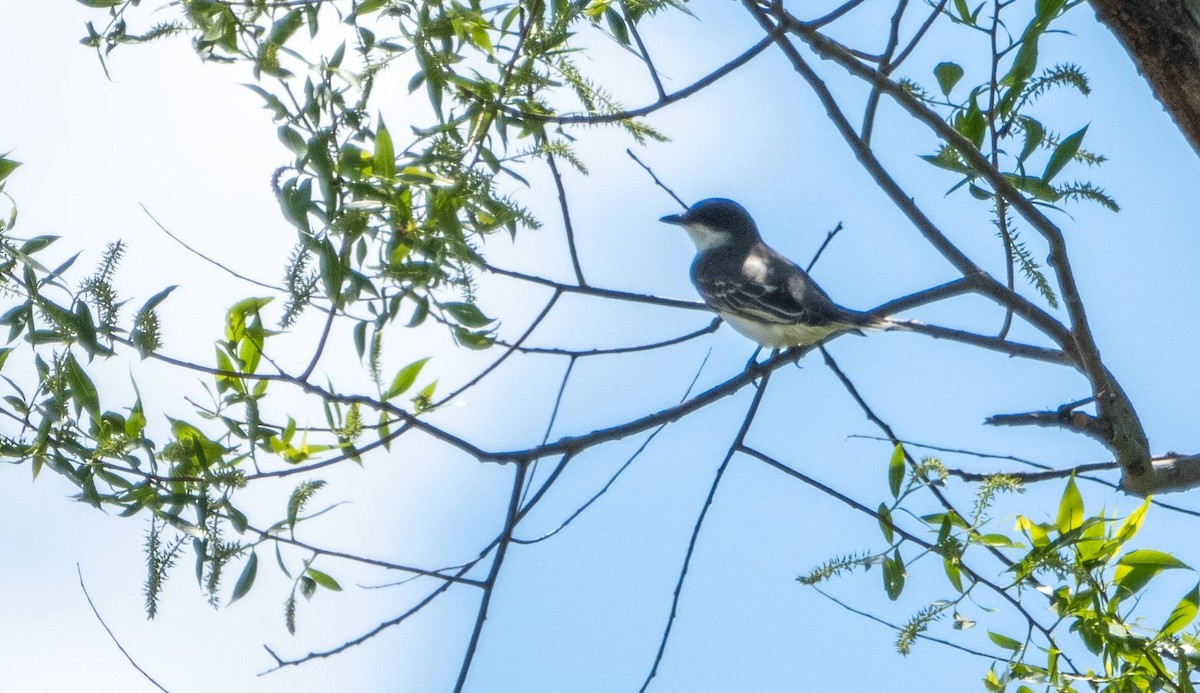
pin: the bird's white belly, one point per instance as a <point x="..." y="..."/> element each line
<point x="777" y="336"/>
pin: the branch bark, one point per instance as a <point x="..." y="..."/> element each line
<point x="1163" y="38"/>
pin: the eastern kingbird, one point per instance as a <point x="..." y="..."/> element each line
<point x="759" y="292"/>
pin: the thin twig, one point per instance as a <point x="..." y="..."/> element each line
<point x="216" y="263"/>
<point x="912" y="44"/>
<point x="645" y="54"/>
<point x="1034" y="477"/>
<point x="601" y="293"/>
<point x="601" y="118"/>
<point x="562" y="388"/>
<point x="568" y="227"/>
<point x="987" y="286"/>
<point x="817" y="255"/>
<point x="894" y="627"/>
<point x="489" y="588"/>
<point x="657" y="182"/>
<point x="1038" y="465"/>
<point x="885" y="67"/>
<point x="829" y="491"/>
<point x="323" y="654"/>
<point x="621" y="470"/>
<point x="316" y="357"/>
<point x="835" y="14"/>
<point x="712" y="492"/>
<point x="509" y="351"/>
<point x="580" y="353"/>
<point x="111" y="636"/>
<point x="419" y="572"/>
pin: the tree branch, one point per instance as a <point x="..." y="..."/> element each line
<point x="489" y="588"/>
<point x="1128" y="439"/>
<point x="738" y="441"/>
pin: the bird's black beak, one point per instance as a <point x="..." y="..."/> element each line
<point x="676" y="219"/>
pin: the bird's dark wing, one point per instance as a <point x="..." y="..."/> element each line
<point x="765" y="286"/>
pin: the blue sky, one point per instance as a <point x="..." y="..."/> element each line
<point x="584" y="611"/>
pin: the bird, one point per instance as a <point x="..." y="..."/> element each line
<point x="757" y="290"/>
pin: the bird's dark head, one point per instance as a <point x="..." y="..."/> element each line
<point x="716" y="222"/>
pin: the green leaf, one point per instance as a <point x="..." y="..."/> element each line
<point x="1063" y="153"/>
<point x="293" y="140"/>
<point x="473" y="340"/>
<point x="157" y="298"/>
<point x="1070" y="508"/>
<point x="385" y="154"/>
<point x="1048" y="9"/>
<point x="896" y="470"/>
<point x="617" y="26"/>
<point x="893" y="575"/>
<point x="1035" y="133"/>
<point x="135" y="425"/>
<point x="246" y="580"/>
<point x="1005" y="642"/>
<point x="7" y="166"/>
<point x="369" y="6"/>
<point x="100" y="3"/>
<point x="1034" y="186"/>
<point x="205" y="450"/>
<point x="964" y="14"/>
<point x="360" y="338"/>
<point x="999" y="541"/>
<point x="1132" y="523"/>
<point x="885" y="523"/>
<point x="405" y="378"/>
<point x="82" y="389"/>
<point x="971" y="124"/>
<point x="953" y="569"/>
<point x="1025" y="63"/>
<point x="284" y="27"/>
<point x="323" y="579"/>
<point x="467" y="315"/>
<point x="948" y="75"/>
<point x="1137" y="568"/>
<point x="1183" y="613"/>
<point x="237" y="518"/>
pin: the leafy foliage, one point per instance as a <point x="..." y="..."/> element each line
<point x="998" y="110"/>
<point x="390" y="231"/>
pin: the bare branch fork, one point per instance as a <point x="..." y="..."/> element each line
<point x="1122" y="432"/>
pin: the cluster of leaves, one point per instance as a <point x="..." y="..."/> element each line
<point x="389" y="235"/>
<point x="995" y="115"/>
<point x="1078" y="564"/>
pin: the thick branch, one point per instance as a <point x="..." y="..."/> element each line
<point x="1163" y="38"/>
<point x="1128" y="439"/>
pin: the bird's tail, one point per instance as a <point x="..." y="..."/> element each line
<point x="866" y="321"/>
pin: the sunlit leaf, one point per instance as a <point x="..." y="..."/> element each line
<point x="948" y="75"/>
<point x="1133" y="523"/>
<point x="323" y="579"/>
<point x="82" y="389"/>
<point x="1137" y="568"/>
<point x="896" y="470"/>
<point x="893" y="575"/>
<point x="1063" y="153"/>
<point x="1183" y="613"/>
<point x="885" y="523"/>
<point x="1070" y="508"/>
<point x="385" y="154"/>
<point x="7" y="166"/>
<point x="405" y="378"/>
<point x="1005" y="641"/>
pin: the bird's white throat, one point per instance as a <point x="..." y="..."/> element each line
<point x="705" y="237"/>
